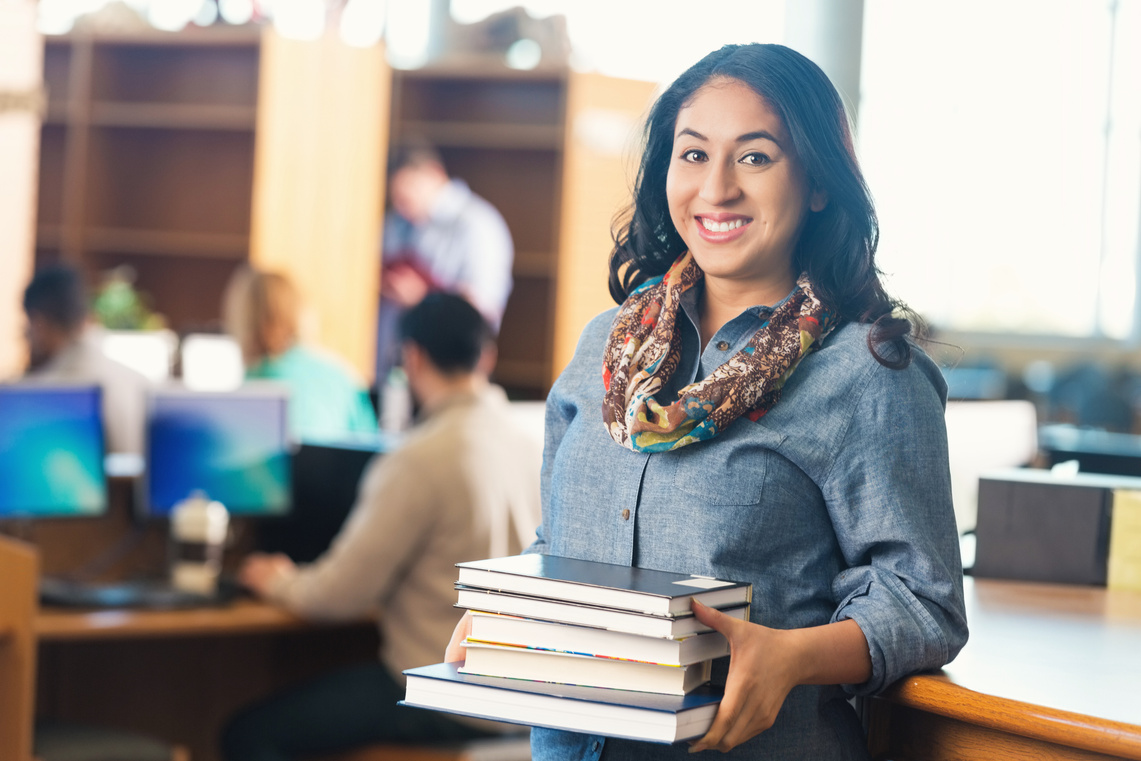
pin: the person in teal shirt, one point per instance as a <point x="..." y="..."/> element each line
<point x="326" y="401"/>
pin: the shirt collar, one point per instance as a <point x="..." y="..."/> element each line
<point x="451" y="201"/>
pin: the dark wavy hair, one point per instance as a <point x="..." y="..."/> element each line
<point x="837" y="245"/>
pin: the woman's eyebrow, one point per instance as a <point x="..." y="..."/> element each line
<point x="757" y="135"/>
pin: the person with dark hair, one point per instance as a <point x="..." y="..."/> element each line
<point x="438" y="236"/>
<point x="464" y="483"/>
<point x="63" y="347"/>
<point x="757" y="409"/>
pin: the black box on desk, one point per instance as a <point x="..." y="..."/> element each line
<point x="1037" y="526"/>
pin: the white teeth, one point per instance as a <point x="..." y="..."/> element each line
<point x="721" y="227"/>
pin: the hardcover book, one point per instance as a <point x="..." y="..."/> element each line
<point x="611" y="713"/>
<point x="548" y="635"/>
<point x="641" y="590"/>
<point x="583" y="670"/>
<point x="670" y="627"/>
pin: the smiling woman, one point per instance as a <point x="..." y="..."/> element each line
<point x="765" y="416"/>
<point x="736" y="197"/>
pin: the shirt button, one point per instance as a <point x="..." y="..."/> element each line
<point x="722" y="345"/>
<point x="626" y="514"/>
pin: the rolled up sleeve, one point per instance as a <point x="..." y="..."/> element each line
<point x="889" y="498"/>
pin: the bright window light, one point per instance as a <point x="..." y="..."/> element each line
<point x="999" y="140"/>
<point x="651" y="40"/>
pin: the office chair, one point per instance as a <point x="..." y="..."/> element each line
<point x="21" y="736"/>
<point x="983" y="436"/>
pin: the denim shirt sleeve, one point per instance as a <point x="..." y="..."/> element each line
<point x="561" y="410"/>
<point x="888" y="495"/>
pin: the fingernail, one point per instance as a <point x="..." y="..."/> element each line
<point x="695" y="749"/>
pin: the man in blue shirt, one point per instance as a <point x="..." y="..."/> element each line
<point x="439" y="236"/>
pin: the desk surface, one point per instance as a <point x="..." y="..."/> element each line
<point x="1054" y="662"/>
<point x="240" y="616"/>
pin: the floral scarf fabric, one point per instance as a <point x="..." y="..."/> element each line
<point x="644" y="350"/>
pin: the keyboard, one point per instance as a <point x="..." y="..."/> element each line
<point x="143" y="594"/>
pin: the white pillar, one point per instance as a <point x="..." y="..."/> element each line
<point x="21" y="74"/>
<point x="830" y="32"/>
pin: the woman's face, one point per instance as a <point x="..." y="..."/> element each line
<point x="737" y="193"/>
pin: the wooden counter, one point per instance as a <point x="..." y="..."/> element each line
<point x="240" y="617"/>
<point x="180" y="675"/>
<point x="1050" y="672"/>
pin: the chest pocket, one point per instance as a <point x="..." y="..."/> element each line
<point x="728" y="470"/>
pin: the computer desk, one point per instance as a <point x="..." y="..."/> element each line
<point x="179" y="675"/>
<point x="1050" y="672"/>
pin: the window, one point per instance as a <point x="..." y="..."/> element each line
<point x="1002" y="142"/>
<point x="653" y="40"/>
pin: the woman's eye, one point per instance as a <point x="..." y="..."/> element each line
<point x="755" y="159"/>
<point x="692" y="155"/>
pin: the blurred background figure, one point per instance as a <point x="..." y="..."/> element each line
<point x="326" y="401"/>
<point x="64" y="346"/>
<point x="463" y="484"/>
<point x="438" y="236"/>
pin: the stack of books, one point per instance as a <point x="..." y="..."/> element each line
<point x="584" y="646"/>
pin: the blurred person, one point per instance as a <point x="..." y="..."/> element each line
<point x="439" y="236"/>
<point x="326" y="402"/>
<point x="64" y="346"/>
<point x="465" y="480"/>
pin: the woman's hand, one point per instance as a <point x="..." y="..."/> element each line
<point x="765" y="664"/>
<point x="761" y="674"/>
<point x="457" y="650"/>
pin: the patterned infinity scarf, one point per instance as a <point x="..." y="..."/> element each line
<point x="644" y="350"/>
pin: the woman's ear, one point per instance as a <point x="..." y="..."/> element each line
<point x="817" y="199"/>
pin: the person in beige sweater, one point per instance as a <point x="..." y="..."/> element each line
<point x="462" y="486"/>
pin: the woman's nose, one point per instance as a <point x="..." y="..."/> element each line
<point x="719" y="185"/>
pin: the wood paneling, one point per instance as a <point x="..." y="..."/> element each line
<point x="318" y="176"/>
<point x="19" y="570"/>
<point x="604" y="117"/>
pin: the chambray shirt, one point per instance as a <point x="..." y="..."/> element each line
<point x="834" y="505"/>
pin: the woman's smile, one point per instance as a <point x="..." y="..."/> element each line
<point x="722" y="228"/>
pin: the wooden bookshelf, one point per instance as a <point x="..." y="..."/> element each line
<point x="510" y="134"/>
<point x="187" y="154"/>
<point x="147" y="154"/>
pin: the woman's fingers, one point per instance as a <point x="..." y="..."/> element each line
<point x="457" y="650"/>
<point x="755" y="688"/>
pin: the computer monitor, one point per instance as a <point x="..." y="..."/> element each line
<point x="51" y="451"/>
<point x="326" y="480"/>
<point x="232" y="446"/>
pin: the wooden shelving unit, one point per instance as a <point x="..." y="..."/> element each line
<point x="187" y="154"/>
<point x="502" y="131"/>
<point x="523" y="140"/>
<point x="147" y="157"/>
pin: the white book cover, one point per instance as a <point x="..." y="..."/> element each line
<point x="670" y="627"/>
<point x="583" y="670"/>
<point x="537" y="634"/>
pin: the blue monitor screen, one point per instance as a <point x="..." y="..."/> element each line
<point x="51" y="451"/>
<point x="232" y="446"/>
